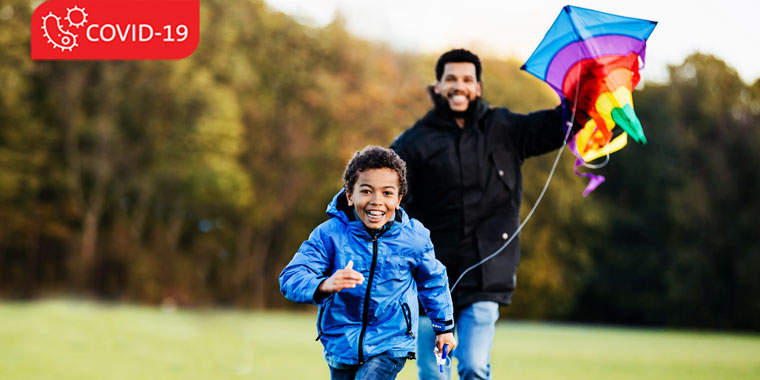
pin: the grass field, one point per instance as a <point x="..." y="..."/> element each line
<point x="83" y="340"/>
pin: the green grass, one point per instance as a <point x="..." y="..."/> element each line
<point x="83" y="340"/>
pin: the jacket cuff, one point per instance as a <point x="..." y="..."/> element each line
<point x="443" y="327"/>
<point x="317" y="297"/>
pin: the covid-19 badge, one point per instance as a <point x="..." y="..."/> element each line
<point x="114" y="29"/>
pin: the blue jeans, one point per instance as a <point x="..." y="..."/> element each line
<point x="380" y="367"/>
<point x="476" y="326"/>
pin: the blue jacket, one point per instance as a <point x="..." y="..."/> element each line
<point x="380" y="315"/>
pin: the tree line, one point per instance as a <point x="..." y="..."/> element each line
<point x="196" y="180"/>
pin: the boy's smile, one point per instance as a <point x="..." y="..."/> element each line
<point x="375" y="196"/>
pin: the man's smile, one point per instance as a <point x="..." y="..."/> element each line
<point x="459" y="99"/>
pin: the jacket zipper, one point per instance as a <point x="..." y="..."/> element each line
<point x="365" y="313"/>
<point x="408" y="317"/>
<point x="319" y="321"/>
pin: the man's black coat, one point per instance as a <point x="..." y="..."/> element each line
<point x="465" y="186"/>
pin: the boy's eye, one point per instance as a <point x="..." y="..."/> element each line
<point x="388" y="193"/>
<point x="364" y="191"/>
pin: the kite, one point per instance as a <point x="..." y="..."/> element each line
<point x="591" y="59"/>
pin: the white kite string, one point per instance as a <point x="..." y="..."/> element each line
<point x="540" y="196"/>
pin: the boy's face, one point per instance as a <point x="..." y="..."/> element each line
<point x="375" y="196"/>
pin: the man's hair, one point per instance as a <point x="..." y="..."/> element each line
<point x="456" y="56"/>
<point x="375" y="157"/>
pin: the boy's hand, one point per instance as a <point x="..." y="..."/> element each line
<point x="342" y="279"/>
<point x="447" y="338"/>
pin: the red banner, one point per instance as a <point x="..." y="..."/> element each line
<point x="115" y="29"/>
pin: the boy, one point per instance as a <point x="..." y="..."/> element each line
<point x="365" y="268"/>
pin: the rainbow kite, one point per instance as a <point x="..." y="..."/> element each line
<point x="591" y="59"/>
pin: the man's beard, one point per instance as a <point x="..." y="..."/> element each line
<point x="443" y="104"/>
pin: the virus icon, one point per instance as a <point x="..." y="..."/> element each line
<point x="52" y="30"/>
<point x="55" y="33"/>
<point x="79" y="14"/>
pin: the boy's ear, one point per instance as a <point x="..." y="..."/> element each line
<point x="348" y="198"/>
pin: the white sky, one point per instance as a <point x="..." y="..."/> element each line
<point x="729" y="29"/>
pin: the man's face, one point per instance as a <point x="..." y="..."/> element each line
<point x="375" y="196"/>
<point x="459" y="85"/>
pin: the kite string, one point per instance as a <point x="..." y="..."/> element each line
<point x="540" y="196"/>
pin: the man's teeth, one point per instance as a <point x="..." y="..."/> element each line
<point x="459" y="98"/>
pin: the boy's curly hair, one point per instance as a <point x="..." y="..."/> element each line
<point x="375" y="157"/>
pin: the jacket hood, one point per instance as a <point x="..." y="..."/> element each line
<point x="340" y="210"/>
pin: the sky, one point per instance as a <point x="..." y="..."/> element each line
<point x="727" y="29"/>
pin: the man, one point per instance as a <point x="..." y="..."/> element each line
<point x="465" y="185"/>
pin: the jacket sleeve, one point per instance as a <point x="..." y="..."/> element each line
<point x="433" y="290"/>
<point x="309" y="267"/>
<point x="539" y="132"/>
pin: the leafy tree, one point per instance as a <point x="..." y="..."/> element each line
<point x="680" y="208"/>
